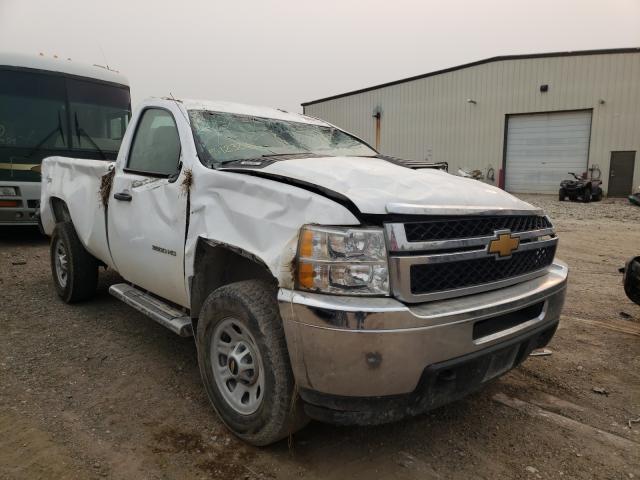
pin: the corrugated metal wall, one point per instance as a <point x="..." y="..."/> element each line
<point x="430" y="118"/>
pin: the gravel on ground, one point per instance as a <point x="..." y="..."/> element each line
<point x="96" y="390"/>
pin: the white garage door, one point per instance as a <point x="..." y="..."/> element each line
<point x="542" y="148"/>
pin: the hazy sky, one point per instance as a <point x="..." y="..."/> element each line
<point x="281" y="53"/>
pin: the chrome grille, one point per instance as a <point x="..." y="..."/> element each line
<point x="438" y="277"/>
<point x="446" y="257"/>
<point x="472" y="227"/>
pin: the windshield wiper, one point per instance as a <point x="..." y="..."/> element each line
<point x="285" y="154"/>
<point x="47" y="137"/>
<point x="257" y="161"/>
<point x="82" y="131"/>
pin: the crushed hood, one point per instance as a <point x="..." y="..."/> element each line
<point x="377" y="186"/>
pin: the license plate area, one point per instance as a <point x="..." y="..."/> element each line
<point x="500" y="362"/>
<point x="491" y="326"/>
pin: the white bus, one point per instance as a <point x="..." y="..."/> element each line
<point x="49" y="107"/>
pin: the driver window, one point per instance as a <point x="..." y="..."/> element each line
<point x="156" y="144"/>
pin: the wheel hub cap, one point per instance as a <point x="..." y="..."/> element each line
<point x="237" y="366"/>
<point x="61" y="263"/>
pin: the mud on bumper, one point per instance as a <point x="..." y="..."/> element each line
<point x="374" y="360"/>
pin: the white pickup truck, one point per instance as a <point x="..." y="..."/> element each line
<point x="319" y="279"/>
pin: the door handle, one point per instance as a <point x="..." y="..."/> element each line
<point x="123" y="196"/>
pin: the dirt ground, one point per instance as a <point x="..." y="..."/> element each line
<point x="97" y="390"/>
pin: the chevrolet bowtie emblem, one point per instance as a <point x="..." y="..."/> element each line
<point x="504" y="244"/>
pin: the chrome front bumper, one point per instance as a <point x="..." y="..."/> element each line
<point x="370" y="347"/>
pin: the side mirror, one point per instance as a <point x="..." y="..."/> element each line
<point x="632" y="280"/>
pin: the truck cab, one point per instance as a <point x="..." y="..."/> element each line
<point x="319" y="279"/>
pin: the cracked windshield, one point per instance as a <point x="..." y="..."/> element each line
<point x="225" y="137"/>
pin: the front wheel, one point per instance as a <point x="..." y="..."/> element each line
<point x="586" y="195"/>
<point x="74" y="270"/>
<point x="562" y="194"/>
<point x="244" y="363"/>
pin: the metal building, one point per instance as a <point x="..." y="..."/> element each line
<point x="530" y="118"/>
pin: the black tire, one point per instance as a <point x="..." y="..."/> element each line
<point x="597" y="196"/>
<point x="80" y="280"/>
<point x="253" y="305"/>
<point x="586" y="195"/>
<point x="562" y="194"/>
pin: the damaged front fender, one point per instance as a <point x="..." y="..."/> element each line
<point x="255" y="218"/>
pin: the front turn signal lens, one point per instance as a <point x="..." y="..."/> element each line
<point x="306" y="244"/>
<point x="305" y="275"/>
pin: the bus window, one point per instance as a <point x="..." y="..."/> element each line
<point x="99" y="115"/>
<point x="33" y="112"/>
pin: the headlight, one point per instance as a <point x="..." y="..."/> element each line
<point x="8" y="191"/>
<point x="347" y="261"/>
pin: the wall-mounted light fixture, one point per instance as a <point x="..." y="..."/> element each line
<point x="471" y="100"/>
<point x="544" y="88"/>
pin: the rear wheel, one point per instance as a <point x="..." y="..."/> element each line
<point x="562" y="194"/>
<point x="74" y="270"/>
<point x="244" y="363"/>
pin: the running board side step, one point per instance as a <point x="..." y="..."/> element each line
<point x="154" y="308"/>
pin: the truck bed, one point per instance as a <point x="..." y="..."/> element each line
<point x="77" y="182"/>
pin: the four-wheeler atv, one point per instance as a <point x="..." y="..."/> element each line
<point x="582" y="187"/>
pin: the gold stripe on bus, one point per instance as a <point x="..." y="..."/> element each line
<point x="19" y="166"/>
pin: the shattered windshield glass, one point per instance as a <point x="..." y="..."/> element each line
<point x="227" y="137"/>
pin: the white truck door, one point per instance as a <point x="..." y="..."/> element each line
<point x="148" y="209"/>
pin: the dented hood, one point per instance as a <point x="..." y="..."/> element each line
<point x="377" y="186"/>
